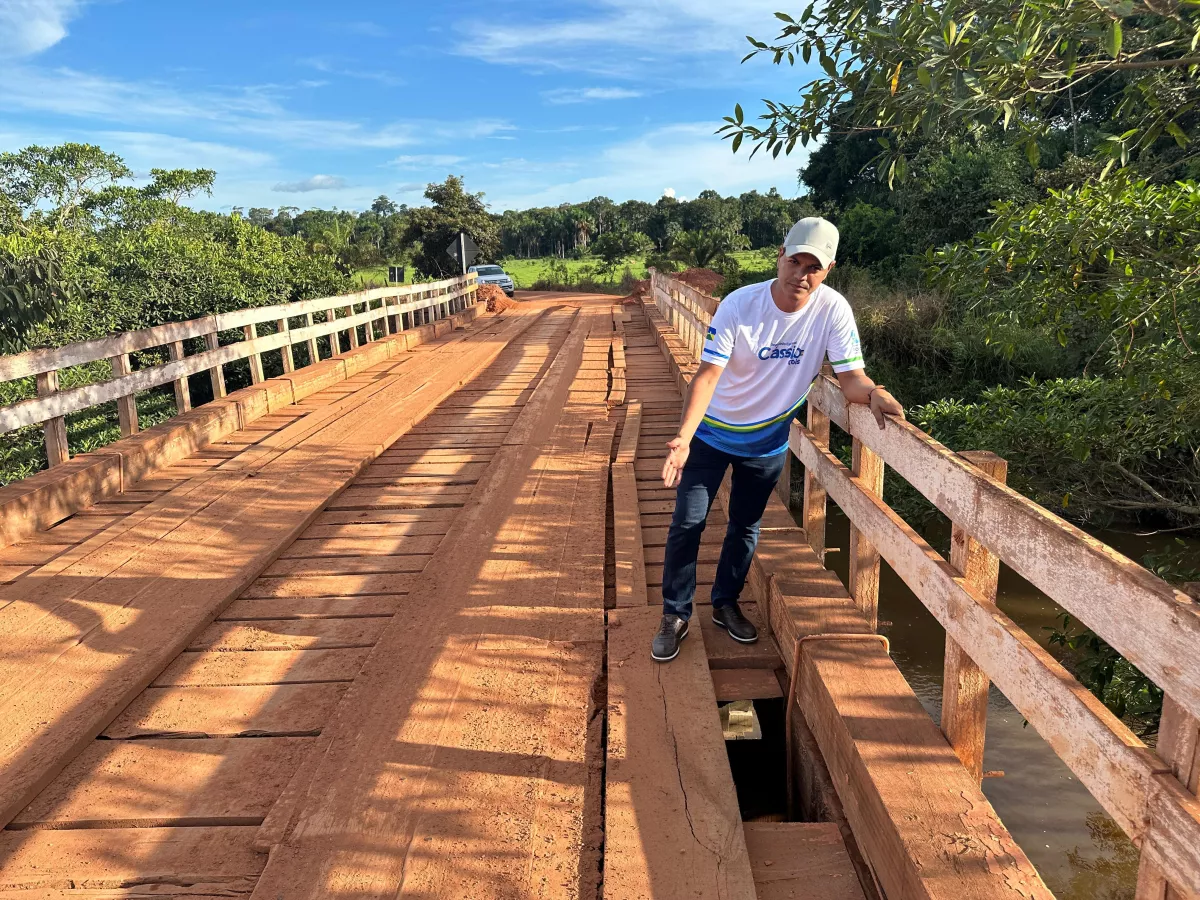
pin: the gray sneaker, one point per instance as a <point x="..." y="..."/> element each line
<point x="671" y="632"/>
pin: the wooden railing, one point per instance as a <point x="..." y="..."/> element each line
<point x="365" y="315"/>
<point x="1151" y="795"/>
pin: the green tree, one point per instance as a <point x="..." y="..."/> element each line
<point x="36" y="281"/>
<point x="916" y="70"/>
<point x="706" y="249"/>
<point x="1109" y="258"/>
<point x="453" y="210"/>
<point x="57" y="184"/>
<point x="616" y="246"/>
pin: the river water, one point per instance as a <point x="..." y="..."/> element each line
<point x="1079" y="851"/>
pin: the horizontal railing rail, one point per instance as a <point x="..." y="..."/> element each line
<point x="1151" y="795"/>
<point x="377" y="312"/>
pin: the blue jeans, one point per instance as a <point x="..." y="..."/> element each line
<point x="753" y="480"/>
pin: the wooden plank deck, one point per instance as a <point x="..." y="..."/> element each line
<point x="416" y="690"/>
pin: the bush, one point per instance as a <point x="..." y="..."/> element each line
<point x="1097" y="449"/>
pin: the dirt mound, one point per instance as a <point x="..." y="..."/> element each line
<point x="639" y="294"/>
<point x="494" y="297"/>
<point x="704" y="280"/>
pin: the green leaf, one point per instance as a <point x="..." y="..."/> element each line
<point x="737" y="142"/>
<point x="1176" y="132"/>
<point x="1112" y="39"/>
<point x="1033" y="152"/>
<point x="737" y="113"/>
<point x="784" y="17"/>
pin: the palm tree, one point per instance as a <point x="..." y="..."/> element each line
<point x="704" y="249"/>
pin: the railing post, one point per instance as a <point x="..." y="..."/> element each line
<point x="813" y="516"/>
<point x="54" y="429"/>
<point x="313" y="355"/>
<point x="867" y="466"/>
<point x="217" y="373"/>
<point x="126" y="406"/>
<point x="1179" y="747"/>
<point x="256" y="368"/>
<point x="783" y="487"/>
<point x="335" y="339"/>
<point x="964" y="685"/>
<point x="183" y="393"/>
<point x="289" y="361"/>
<point x="354" y="342"/>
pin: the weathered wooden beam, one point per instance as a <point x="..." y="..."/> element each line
<point x="867" y="467"/>
<point x="183" y="391"/>
<point x="55" y="429"/>
<point x="32" y="362"/>
<point x="1105" y="755"/>
<point x="1153" y="625"/>
<point x="672" y="826"/>
<point x="216" y="373"/>
<point x="1179" y="747"/>
<point x="289" y="361"/>
<point x="256" y="366"/>
<point x="964" y="684"/>
<point x="813" y="516"/>
<point x="126" y="404"/>
<point x="902" y="788"/>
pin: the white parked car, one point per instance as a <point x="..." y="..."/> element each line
<point x="494" y="275"/>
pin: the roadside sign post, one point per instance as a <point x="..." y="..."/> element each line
<point x="463" y="250"/>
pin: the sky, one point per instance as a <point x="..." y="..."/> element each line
<point x="306" y="104"/>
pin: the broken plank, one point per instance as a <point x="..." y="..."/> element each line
<point x="672" y="824"/>
<point x="745" y="684"/>
<point x="627" y="538"/>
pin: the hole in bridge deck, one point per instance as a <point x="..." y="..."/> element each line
<point x="760" y="766"/>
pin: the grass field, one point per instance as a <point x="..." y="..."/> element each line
<point x="373" y="276"/>
<point x="526" y="272"/>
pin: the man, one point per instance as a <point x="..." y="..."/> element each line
<point x="764" y="349"/>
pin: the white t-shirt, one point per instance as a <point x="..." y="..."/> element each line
<point x="770" y="359"/>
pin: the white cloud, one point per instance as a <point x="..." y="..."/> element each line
<point x="561" y="96"/>
<point x="688" y="156"/>
<point x="426" y="160"/>
<point x="324" y="65"/>
<point x="31" y="26"/>
<point x="668" y="192"/>
<point x="143" y="150"/>
<point x="625" y="38"/>
<point x="316" y="183"/>
<point x="248" y="111"/>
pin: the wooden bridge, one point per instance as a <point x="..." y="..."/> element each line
<point x="378" y="624"/>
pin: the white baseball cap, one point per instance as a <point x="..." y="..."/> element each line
<point x="813" y="235"/>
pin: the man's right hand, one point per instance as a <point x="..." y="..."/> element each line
<point x="677" y="454"/>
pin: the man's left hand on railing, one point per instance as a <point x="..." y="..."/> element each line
<point x="857" y="387"/>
